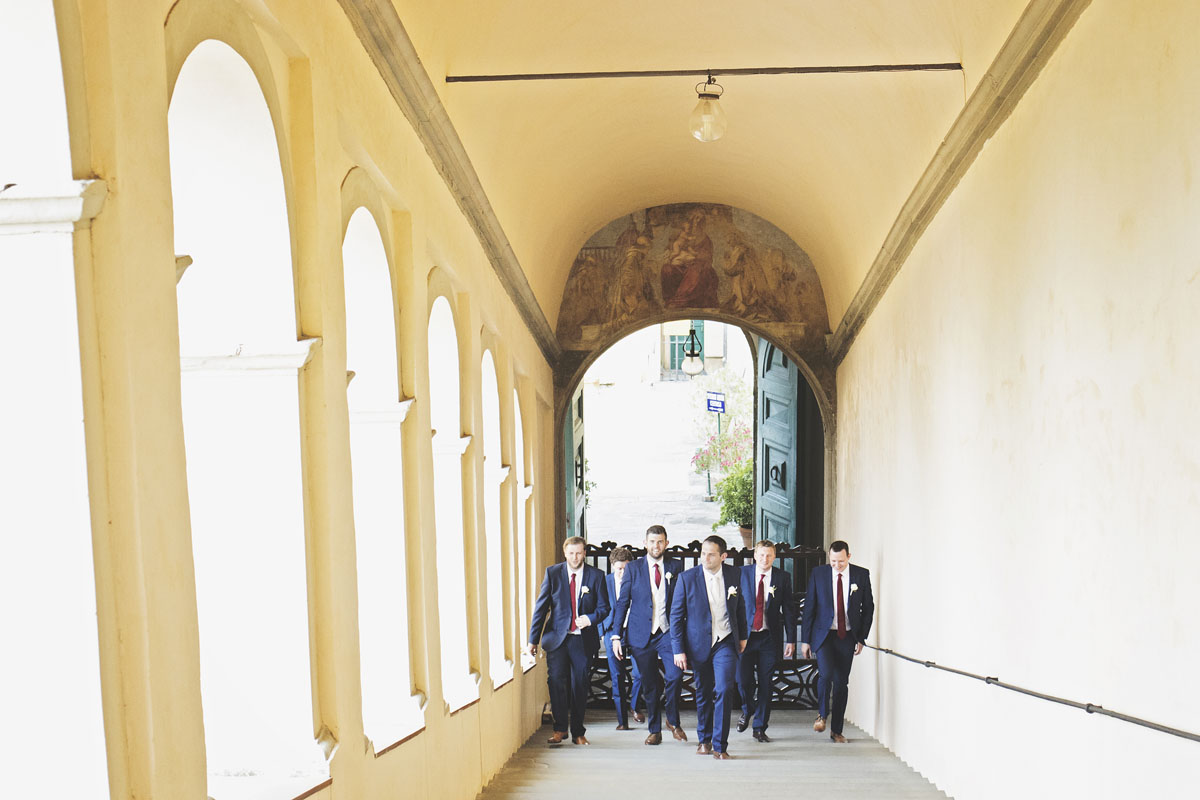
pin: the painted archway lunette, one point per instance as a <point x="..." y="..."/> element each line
<point x="696" y="261"/>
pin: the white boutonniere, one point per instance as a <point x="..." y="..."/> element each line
<point x="584" y="590"/>
<point x="853" y="588"/>
<point x="771" y="589"/>
<point x="732" y="591"/>
<point x="669" y="576"/>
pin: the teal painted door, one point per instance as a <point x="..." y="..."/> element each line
<point x="776" y="464"/>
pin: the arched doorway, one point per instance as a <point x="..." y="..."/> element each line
<point x="705" y="261"/>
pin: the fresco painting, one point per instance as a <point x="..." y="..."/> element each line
<point x="690" y="259"/>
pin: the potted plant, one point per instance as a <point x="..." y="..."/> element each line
<point x="736" y="493"/>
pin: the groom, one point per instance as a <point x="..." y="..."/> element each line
<point x="708" y="630"/>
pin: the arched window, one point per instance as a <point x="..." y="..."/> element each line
<point x="390" y="711"/>
<point x="53" y="744"/>
<point x="240" y="359"/>
<point x="459" y="687"/>
<point x="494" y="476"/>
<point x="522" y="491"/>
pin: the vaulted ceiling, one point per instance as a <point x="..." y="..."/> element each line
<point x="829" y="159"/>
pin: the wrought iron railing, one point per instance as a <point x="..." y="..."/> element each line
<point x="795" y="683"/>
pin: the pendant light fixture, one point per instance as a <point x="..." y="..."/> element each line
<point x="707" y="121"/>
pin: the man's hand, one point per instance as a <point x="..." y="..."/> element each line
<point x="858" y="648"/>
<point x="616" y="643"/>
<point x="533" y="650"/>
<point x="805" y="650"/>
<point x="742" y="645"/>
<point x="582" y="622"/>
<point x="789" y="650"/>
<point x="681" y="660"/>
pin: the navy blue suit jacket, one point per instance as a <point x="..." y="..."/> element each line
<point x="819" y="606"/>
<point x="552" y="611"/>
<point x="637" y="599"/>
<point x="609" y="626"/>
<point x="691" y="618"/>
<point x="779" y="610"/>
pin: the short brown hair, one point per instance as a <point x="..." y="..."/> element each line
<point x="656" y="530"/>
<point x="621" y="553"/>
<point x="765" y="543"/>
<point x="573" y="540"/>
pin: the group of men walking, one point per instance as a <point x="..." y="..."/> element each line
<point x="730" y="625"/>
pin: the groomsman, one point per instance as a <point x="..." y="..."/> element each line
<point x="626" y="702"/>
<point x="708" y="629"/>
<point x="645" y="608"/>
<point x="570" y="605"/>
<point x="771" y="622"/>
<point x="838" y="611"/>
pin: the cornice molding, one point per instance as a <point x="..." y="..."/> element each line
<point x="382" y="35"/>
<point x="1037" y="34"/>
<point x="58" y="208"/>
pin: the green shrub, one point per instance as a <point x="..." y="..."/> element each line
<point x="736" y="493"/>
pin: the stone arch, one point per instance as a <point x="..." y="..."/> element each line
<point x="654" y="265"/>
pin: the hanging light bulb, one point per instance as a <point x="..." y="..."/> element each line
<point x="692" y="364"/>
<point x="707" y="121"/>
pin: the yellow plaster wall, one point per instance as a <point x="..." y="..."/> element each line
<point x="332" y="114"/>
<point x="1018" y="448"/>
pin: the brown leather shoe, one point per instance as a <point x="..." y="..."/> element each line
<point x="679" y="734"/>
<point x="819" y="725"/>
<point x="558" y="738"/>
<point x="654" y="738"/>
<point x="623" y="727"/>
<point x="722" y="756"/>
<point x="838" y="738"/>
<point x="704" y="749"/>
<point x="639" y="716"/>
<point x="580" y="740"/>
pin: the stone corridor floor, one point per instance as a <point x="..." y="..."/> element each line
<point x="798" y="763"/>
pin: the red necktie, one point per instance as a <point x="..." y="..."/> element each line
<point x="841" y="610"/>
<point x="758" y="605"/>
<point x="573" y="614"/>
<point x="657" y="576"/>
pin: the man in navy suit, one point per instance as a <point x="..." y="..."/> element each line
<point x="626" y="702"/>
<point x="645" y="609"/>
<point x="570" y="604"/>
<point x="838" y="611"/>
<point x="771" y="623"/>
<point x="708" y="629"/>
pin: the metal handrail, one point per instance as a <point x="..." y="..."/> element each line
<point x="1091" y="708"/>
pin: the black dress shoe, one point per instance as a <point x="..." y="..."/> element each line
<point x="761" y="736"/>
<point x="743" y="723"/>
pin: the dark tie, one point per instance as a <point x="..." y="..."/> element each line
<point x="657" y="576"/>
<point x="573" y="614"/>
<point x="841" y="609"/>
<point x="758" y="605"/>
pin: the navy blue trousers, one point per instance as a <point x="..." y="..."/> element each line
<point x="834" y="660"/>
<point x="715" y="687"/>
<point x="567" y="676"/>
<point x="659" y="648"/>
<point x="755" y="669"/>
<point x="624" y="700"/>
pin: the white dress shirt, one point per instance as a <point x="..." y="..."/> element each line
<point x="766" y="584"/>
<point x="718" y="610"/>
<point x="578" y="573"/>
<point x="845" y="596"/>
